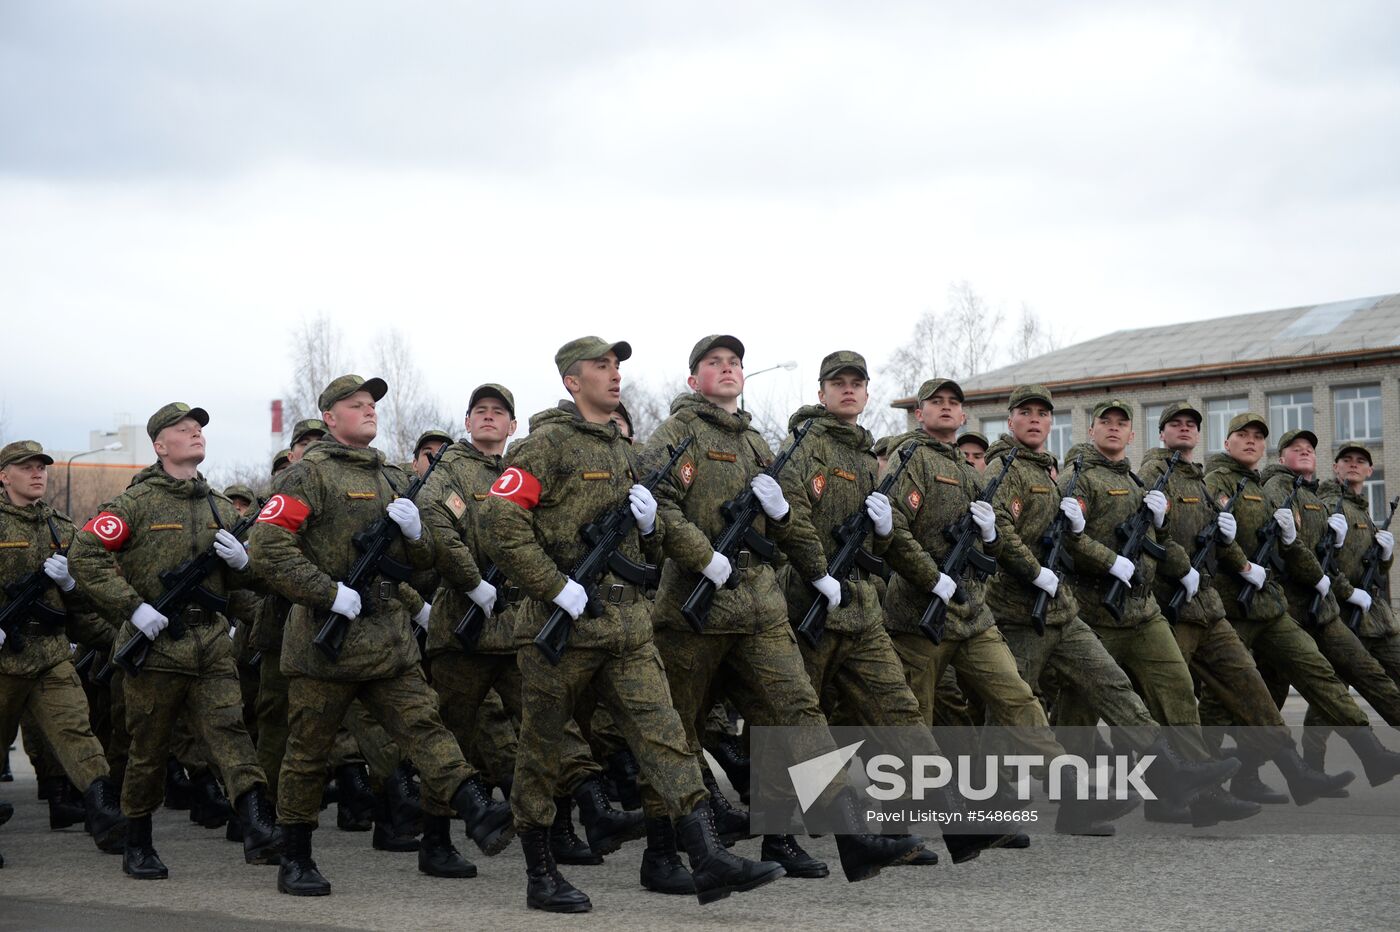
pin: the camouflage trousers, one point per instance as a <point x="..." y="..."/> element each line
<point x="53" y="702"/>
<point x="1221" y="663"/>
<point x="211" y="703"/>
<point x="493" y="750"/>
<point x="632" y="685"/>
<point x="1355" y="666"/>
<point x="1386" y="650"/>
<point x="404" y="705"/>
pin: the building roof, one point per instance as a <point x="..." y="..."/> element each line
<point x="1265" y="339"/>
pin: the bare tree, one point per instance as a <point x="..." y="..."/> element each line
<point x="649" y="403"/>
<point x="255" y="475"/>
<point x="318" y="355"/>
<point x="1032" y="336"/>
<point x="971" y="328"/>
<point x="407" y="410"/>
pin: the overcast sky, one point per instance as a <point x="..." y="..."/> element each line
<point x="181" y="182"/>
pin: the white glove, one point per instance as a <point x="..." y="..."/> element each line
<point x="347" y="601"/>
<point x="56" y="568"/>
<point x="877" y="506"/>
<point x="986" y="520"/>
<point x="1156" y="503"/>
<point x="405" y="514"/>
<point x="1226" y="527"/>
<point x="421" y="619"/>
<point x="1284" y="518"/>
<point x="1387" y="542"/>
<point x="643" y="506"/>
<point x="1361" y="599"/>
<point x="719" y="569"/>
<point x="1192" y="582"/>
<point x="484" y="595"/>
<point x="1122" y="569"/>
<point x="573" y="599"/>
<point x="148" y="621"/>
<point x="770" y="496"/>
<point x="1075" y="514"/>
<point x="1323" y="586"/>
<point x="945" y="588"/>
<point x="2" y="637"/>
<point x="830" y="588"/>
<point x="1254" y="575"/>
<point x="1047" y="581"/>
<point x="1338" y="524"/>
<point x="230" y="550"/>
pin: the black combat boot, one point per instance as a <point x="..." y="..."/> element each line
<point x="662" y="870"/>
<point x="545" y="887"/>
<point x="406" y="799"/>
<point x="354" y="811"/>
<point x="1219" y="805"/>
<point x="1165" y="812"/>
<point x="925" y="857"/>
<point x="389" y="835"/>
<point x="297" y="874"/>
<point x="1380" y="763"/>
<point x="437" y="857"/>
<point x="1308" y="783"/>
<point x="1247" y="784"/>
<point x="623" y="769"/>
<point x="796" y="862"/>
<point x="729" y="754"/>
<point x="105" y="822"/>
<point x="715" y="871"/>
<point x="6" y="811"/>
<point x="65" y="805"/>
<point x="6" y="774"/>
<point x="607" y="828"/>
<point x="1179" y="780"/>
<point x="732" y="824"/>
<point x="864" y="854"/>
<point x="209" y="807"/>
<point x="178" y="792"/>
<point x="140" y="859"/>
<point x="1089" y="817"/>
<point x="489" y="823"/>
<point x="564" y="843"/>
<point x="261" y="842"/>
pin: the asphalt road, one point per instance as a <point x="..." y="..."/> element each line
<point x="1144" y="879"/>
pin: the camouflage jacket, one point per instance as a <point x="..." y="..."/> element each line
<point x="304" y="544"/>
<point x="1380" y="621"/>
<point x="726" y="453"/>
<point x="25" y="543"/>
<point x="156" y="525"/>
<point x="451" y="502"/>
<point x="933" y="492"/>
<point x="1253" y="513"/>
<point x="1026" y="503"/>
<point x="1109" y="496"/>
<point x="565" y="474"/>
<point x="1191" y="508"/>
<point x="825" y="482"/>
<point x="1310" y="514"/>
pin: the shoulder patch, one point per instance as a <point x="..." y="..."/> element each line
<point x="1224" y="500"/>
<point x="1083" y="505"/>
<point x="109" y="529"/>
<point x="1016" y="507"/>
<point x="286" y="511"/>
<point x="914" y="500"/>
<point x="456" y="505"/>
<point x="518" y="486"/>
<point x="687" y="473"/>
<point x="818" y="484"/>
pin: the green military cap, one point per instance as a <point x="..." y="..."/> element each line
<point x="428" y="436"/>
<point x="492" y="390"/>
<point x="882" y="446"/>
<point x="1287" y="439"/>
<point x="311" y="425"/>
<point x="1177" y="410"/>
<point x="22" y="450"/>
<point x="173" y="413"/>
<point x="1351" y="446"/>
<point x="241" y="491"/>
<point x="283" y="456"/>
<point x="589" y="348"/>
<point x="972" y="436"/>
<point x="1022" y="394"/>
<point x="622" y="412"/>
<point x="347" y="385"/>
<point x="840" y="360"/>
<point x="935" y="385"/>
<point x="710" y="342"/>
<point x="1241" y="421"/>
<point x="1111" y="404"/>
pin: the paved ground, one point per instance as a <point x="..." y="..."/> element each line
<point x="58" y="880"/>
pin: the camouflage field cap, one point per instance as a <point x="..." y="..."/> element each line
<point x="173" y="413"/>
<point x="882" y="446"/>
<point x="935" y="385"/>
<point x="622" y="412"/>
<point x="1177" y="410"/>
<point x="347" y="385"/>
<point x="1023" y="394"/>
<point x="241" y="491"/>
<point x="972" y="436"/>
<point x="492" y="390"/>
<point x="1352" y="446"/>
<point x="428" y="436"/>
<point x="589" y="348"/>
<point x="1113" y="404"/>
<point x="311" y="425"/>
<point x="1241" y="421"/>
<point x="710" y="342"/>
<point x="283" y="457"/>
<point x="22" y="450"/>
<point x="1287" y="439"/>
<point x="840" y="360"/>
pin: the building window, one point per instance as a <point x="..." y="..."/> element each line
<point x="1290" y="411"/>
<point x="1358" y="413"/>
<point x="1374" y="490"/>
<point x="1218" y="415"/>
<point x="1061" y="435"/>
<point x="994" y="427"/>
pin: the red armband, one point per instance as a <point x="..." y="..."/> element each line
<point x="109" y="529"/>
<point x="285" y="511"/>
<point x="517" y="485"/>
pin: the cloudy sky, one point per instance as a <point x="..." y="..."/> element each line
<point x="180" y="183"/>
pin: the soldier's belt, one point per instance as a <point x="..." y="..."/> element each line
<point x="39" y="629"/>
<point x="512" y="594"/>
<point x="619" y="593"/>
<point x="196" y="616"/>
<point x="748" y="559"/>
<point x="858" y="575"/>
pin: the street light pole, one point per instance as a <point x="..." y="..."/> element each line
<point x="68" y="473"/>
<point x="790" y="365"/>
